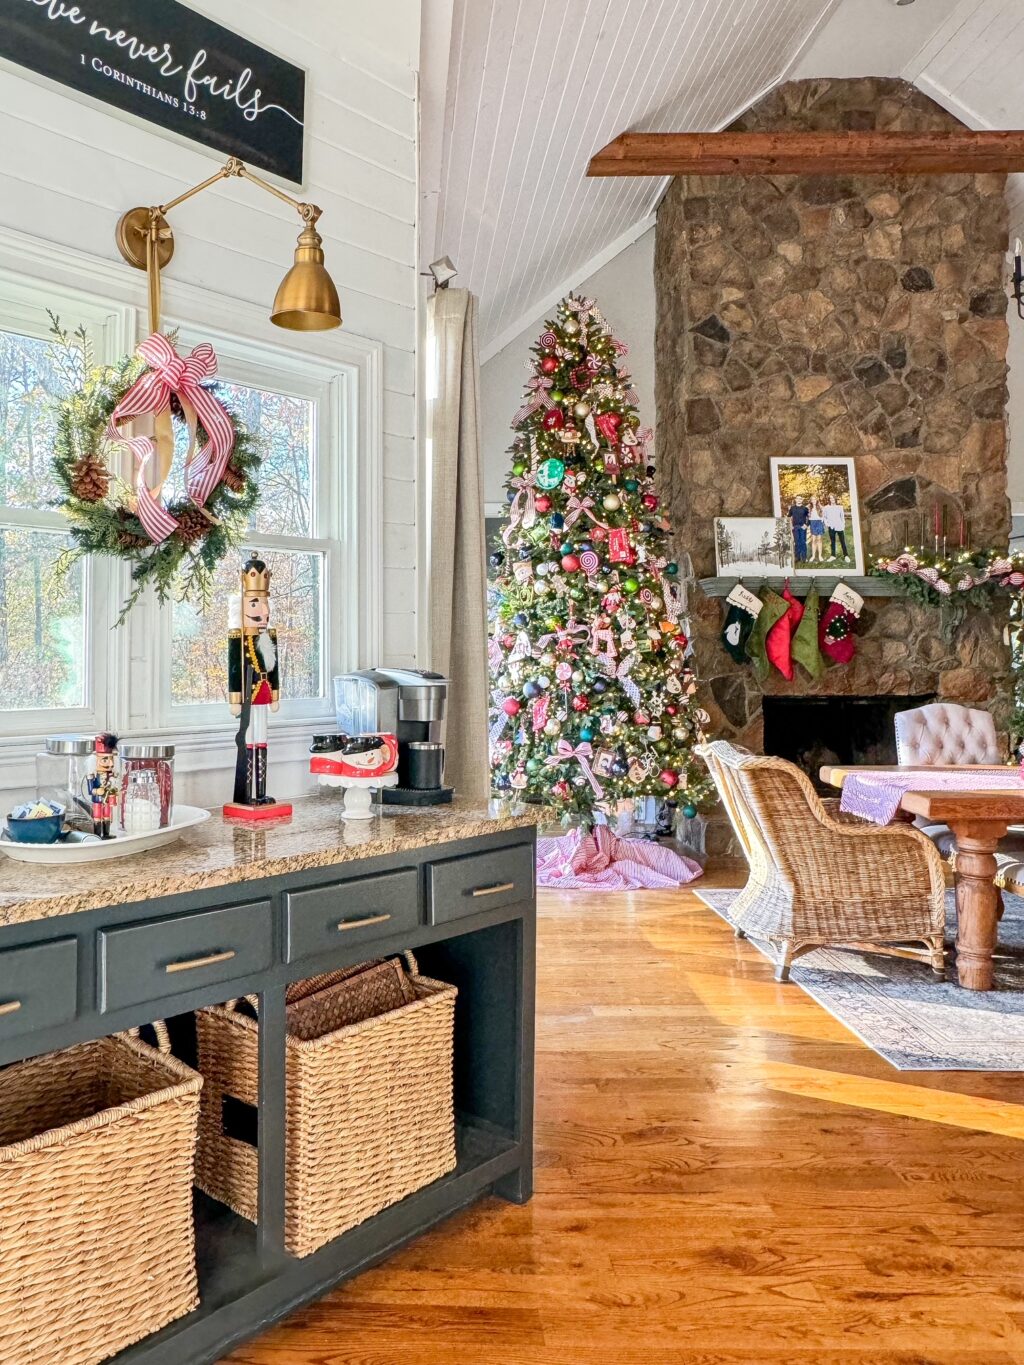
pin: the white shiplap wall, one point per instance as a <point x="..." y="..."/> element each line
<point x="68" y="170"/>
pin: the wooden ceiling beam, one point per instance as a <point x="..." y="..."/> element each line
<point x="838" y="153"/>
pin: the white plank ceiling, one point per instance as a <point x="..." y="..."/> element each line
<point x="972" y="66"/>
<point x="536" y="86"/>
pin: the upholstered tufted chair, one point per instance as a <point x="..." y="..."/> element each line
<point x="944" y="734"/>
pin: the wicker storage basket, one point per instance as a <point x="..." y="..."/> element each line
<point x="97" y="1247"/>
<point x="369" y="1111"/>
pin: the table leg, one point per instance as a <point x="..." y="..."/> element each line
<point x="977" y="900"/>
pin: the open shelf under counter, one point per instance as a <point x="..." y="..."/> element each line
<point x="238" y="1286"/>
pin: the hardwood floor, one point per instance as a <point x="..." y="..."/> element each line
<point x="724" y="1173"/>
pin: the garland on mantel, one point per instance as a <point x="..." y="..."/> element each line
<point x="954" y="582"/>
<point x="966" y="578"/>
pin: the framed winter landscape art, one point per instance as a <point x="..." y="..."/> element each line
<point x="753" y="546"/>
<point x="818" y="499"/>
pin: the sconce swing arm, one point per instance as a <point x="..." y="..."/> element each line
<point x="306" y="300"/>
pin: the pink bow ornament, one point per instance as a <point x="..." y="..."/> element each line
<point x="582" y="754"/>
<point x="169" y="374"/>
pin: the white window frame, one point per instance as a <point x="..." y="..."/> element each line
<point x="23" y="311"/>
<point x="123" y="663"/>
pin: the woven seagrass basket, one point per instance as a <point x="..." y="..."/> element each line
<point x="369" y="1108"/>
<point x="97" y="1247"/>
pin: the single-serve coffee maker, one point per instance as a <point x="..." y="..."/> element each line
<point x="409" y="703"/>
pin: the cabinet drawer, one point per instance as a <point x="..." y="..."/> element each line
<point x="480" y="881"/>
<point x="324" y="917"/>
<point x="164" y="957"/>
<point x="38" y="986"/>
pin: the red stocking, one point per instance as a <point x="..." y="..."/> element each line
<point x="835" y="633"/>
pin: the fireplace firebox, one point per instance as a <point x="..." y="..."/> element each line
<point x="810" y="731"/>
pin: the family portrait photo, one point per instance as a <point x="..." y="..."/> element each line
<point x="753" y="545"/>
<point x="818" y="499"/>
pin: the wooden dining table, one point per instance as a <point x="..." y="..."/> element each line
<point x="978" y="821"/>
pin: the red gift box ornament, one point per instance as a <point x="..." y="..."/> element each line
<point x="619" y="549"/>
<point x="608" y="424"/>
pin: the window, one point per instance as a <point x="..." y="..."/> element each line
<point x="48" y="617"/>
<point x="295" y="528"/>
<point x="317" y="404"/>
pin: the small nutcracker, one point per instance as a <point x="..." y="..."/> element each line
<point x="254" y="689"/>
<point x="102" y="785"/>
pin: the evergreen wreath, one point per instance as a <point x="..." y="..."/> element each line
<point x="100" y="506"/>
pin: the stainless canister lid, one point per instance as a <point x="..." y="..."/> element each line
<point x="139" y="748"/>
<point x="71" y="745"/>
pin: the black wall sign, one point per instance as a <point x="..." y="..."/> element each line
<point x="167" y="64"/>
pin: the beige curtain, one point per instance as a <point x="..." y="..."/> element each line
<point x="457" y="590"/>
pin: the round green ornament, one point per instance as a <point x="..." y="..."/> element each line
<point x="551" y="473"/>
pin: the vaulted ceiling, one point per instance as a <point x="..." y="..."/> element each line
<point x="533" y="87"/>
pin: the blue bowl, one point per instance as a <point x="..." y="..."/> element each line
<point x="43" y="830"/>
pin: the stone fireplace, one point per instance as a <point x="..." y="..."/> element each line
<point x="838" y="315"/>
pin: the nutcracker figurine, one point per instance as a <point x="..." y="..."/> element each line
<point x="102" y="785"/>
<point x="254" y="683"/>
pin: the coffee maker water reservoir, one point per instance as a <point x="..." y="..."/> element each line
<point x="408" y="703"/>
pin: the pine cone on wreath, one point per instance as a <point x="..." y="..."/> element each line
<point x="193" y="524"/>
<point x="234" y="479"/>
<point x="127" y="540"/>
<point x="90" y="479"/>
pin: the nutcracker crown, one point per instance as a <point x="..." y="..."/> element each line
<point x="255" y="578"/>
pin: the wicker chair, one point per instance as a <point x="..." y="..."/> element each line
<point x="815" y="879"/>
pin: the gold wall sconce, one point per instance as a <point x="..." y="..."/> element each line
<point x="306" y="299"/>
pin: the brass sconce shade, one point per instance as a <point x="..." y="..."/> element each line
<point x="307" y="300"/>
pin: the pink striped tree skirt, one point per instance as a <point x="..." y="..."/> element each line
<point x="600" y="860"/>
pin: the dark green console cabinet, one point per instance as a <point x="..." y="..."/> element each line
<point x="464" y="905"/>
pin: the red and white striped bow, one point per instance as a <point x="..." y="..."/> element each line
<point x="540" y="383"/>
<point x="168" y="373"/>
<point x="576" y="507"/>
<point x="524" y="506"/>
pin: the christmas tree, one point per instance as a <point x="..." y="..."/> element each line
<point x="593" y="699"/>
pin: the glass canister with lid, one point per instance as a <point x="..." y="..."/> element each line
<point x="61" y="772"/>
<point x="154" y="757"/>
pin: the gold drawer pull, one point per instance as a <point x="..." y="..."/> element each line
<point x="362" y="923"/>
<point x="11" y="1007"/>
<point x="194" y="962"/>
<point x="493" y="890"/>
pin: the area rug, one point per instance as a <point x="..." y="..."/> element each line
<point x="913" y="1020"/>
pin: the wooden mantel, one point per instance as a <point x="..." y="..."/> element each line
<point x="827" y="153"/>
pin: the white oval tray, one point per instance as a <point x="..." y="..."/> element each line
<point x="121" y="846"/>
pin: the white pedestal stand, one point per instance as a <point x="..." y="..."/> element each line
<point x="359" y="792"/>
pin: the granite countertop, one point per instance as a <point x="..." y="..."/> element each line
<point x="219" y="853"/>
